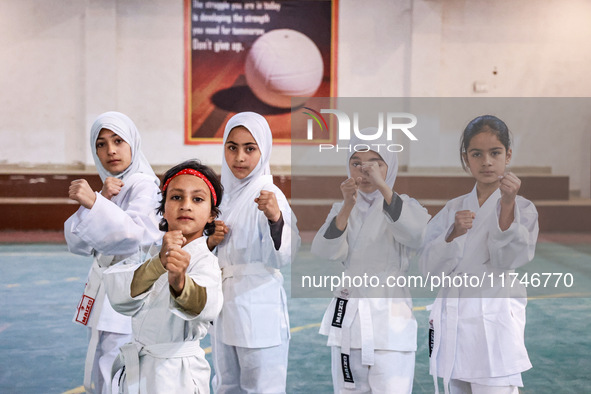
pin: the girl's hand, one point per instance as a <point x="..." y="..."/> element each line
<point x="111" y="187"/>
<point x="81" y="192"/>
<point x="218" y="235"/>
<point x="172" y="240"/>
<point x="462" y="223"/>
<point x="349" y="189"/>
<point x="509" y="187"/>
<point x="175" y="260"/>
<point x="267" y="202"/>
<point x="372" y="170"/>
<point x="177" y="263"/>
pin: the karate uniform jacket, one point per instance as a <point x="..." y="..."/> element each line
<point x="479" y="334"/>
<point x="254" y="314"/>
<point x="166" y="337"/>
<point x="111" y="231"/>
<point x="379" y="244"/>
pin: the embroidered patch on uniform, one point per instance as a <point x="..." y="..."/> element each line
<point x="339" y="312"/>
<point x="431" y="337"/>
<point x="347" y="374"/>
<point x="84" y="309"/>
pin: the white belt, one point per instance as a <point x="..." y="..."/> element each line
<point x="361" y="306"/>
<point x="92" y="299"/>
<point x="246" y="270"/>
<point x="130" y="353"/>
<point x="83" y="314"/>
<point x="450" y="303"/>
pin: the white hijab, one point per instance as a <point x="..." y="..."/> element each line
<point x="261" y="132"/>
<point x="124" y="127"/>
<point x="366" y="200"/>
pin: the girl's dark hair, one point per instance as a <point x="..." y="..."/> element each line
<point x="484" y="123"/>
<point x="213" y="179"/>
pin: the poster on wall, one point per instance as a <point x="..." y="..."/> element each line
<point x="256" y="56"/>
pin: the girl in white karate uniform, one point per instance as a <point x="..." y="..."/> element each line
<point x="250" y="339"/>
<point x="478" y="335"/>
<point x="373" y="232"/>
<point x="111" y="225"/>
<point x="174" y="296"/>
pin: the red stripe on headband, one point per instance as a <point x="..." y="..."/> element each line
<point x="190" y="171"/>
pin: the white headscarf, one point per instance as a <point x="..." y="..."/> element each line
<point x="366" y="200"/>
<point x="124" y="127"/>
<point x="261" y="132"/>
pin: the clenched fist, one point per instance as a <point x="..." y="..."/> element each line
<point x="267" y="202"/>
<point x="509" y="187"/>
<point x="218" y="236"/>
<point x="462" y="223"/>
<point x="372" y="170"/>
<point x="174" y="259"/>
<point x="111" y="187"/>
<point x="81" y="192"/>
<point x="349" y="189"/>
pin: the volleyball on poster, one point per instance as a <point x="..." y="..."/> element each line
<point x="255" y="56"/>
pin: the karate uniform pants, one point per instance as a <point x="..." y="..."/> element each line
<point x="392" y="372"/>
<point x="461" y="387"/>
<point x="107" y="350"/>
<point x="240" y="370"/>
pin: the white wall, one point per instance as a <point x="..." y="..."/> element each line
<point x="41" y="81"/>
<point x="64" y="62"/>
<point x="516" y="49"/>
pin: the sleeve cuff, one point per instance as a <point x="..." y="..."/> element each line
<point x="332" y="232"/>
<point x="155" y="267"/>
<point x="276" y="231"/>
<point x="193" y="298"/>
<point x="146" y="275"/>
<point x="516" y="218"/>
<point x="394" y="209"/>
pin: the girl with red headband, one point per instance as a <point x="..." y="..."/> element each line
<point x="173" y="297"/>
<point x="251" y="336"/>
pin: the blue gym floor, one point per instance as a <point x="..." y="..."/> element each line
<point x="42" y="351"/>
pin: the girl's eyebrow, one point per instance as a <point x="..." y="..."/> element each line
<point x="354" y="157"/>
<point x="110" y="136"/>
<point x="248" y="143"/>
<point x="479" y="150"/>
<point x="179" y="190"/>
